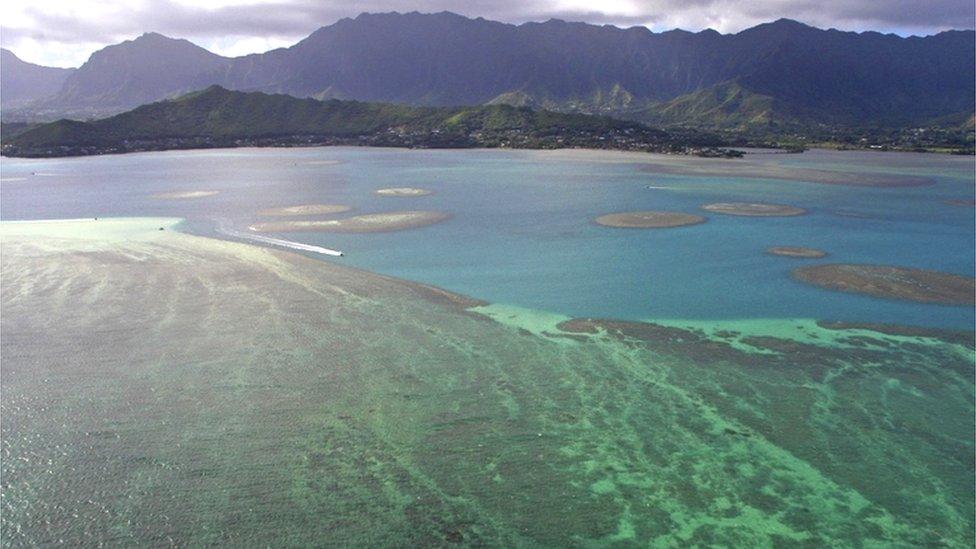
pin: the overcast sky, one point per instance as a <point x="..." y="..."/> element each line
<point x="65" y="32"/>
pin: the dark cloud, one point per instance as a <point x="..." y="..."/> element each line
<point x="290" y="20"/>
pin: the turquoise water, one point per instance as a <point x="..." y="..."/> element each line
<point x="522" y="231"/>
<point x="162" y="389"/>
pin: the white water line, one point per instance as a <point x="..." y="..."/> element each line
<point x="280" y="242"/>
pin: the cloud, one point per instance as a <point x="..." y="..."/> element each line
<point x="65" y="32"/>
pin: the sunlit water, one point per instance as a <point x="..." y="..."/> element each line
<point x="250" y="399"/>
<point x="523" y="231"/>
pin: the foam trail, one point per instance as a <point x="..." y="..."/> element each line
<point x="279" y="242"/>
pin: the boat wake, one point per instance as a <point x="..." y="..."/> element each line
<point x="278" y="242"/>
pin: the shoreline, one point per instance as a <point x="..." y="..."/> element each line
<point x="626" y="156"/>
<point x="704" y="152"/>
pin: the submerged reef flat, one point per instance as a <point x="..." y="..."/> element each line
<point x="758" y="167"/>
<point x="967" y="339"/>
<point x="649" y="220"/>
<point x="181" y="195"/>
<point x="304" y="210"/>
<point x="960" y="202"/>
<point x="892" y="282"/>
<point x="796" y="251"/>
<point x="749" y="209"/>
<point x="368" y="223"/>
<point x="404" y="192"/>
<point x="162" y="386"/>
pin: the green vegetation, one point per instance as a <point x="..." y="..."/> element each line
<point x="748" y="119"/>
<point x="216" y="117"/>
<point x="726" y="105"/>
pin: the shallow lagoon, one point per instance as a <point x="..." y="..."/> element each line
<point x="355" y="409"/>
<point x="523" y="231"/>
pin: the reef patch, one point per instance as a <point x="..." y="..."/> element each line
<point x="753" y="209"/>
<point x="892" y="282"/>
<point x="649" y="220"/>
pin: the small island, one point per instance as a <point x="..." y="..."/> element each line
<point x="183" y="195"/>
<point x="305" y="209"/>
<point x="368" y="223"/>
<point x="403" y="192"/>
<point x="649" y="220"/>
<point x="752" y="209"/>
<point x="892" y="282"/>
<point x="796" y="251"/>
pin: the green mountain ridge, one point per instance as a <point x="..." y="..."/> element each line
<point x="814" y="77"/>
<point x="216" y="117"/>
<point x="726" y="105"/>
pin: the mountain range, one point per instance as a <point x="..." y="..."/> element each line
<point x="217" y="117"/>
<point x="22" y="82"/>
<point x="779" y="74"/>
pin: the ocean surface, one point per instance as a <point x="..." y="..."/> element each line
<point x="160" y="389"/>
<point x="522" y="231"/>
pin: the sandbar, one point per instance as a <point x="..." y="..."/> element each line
<point x="368" y="223"/>
<point x="404" y="192"/>
<point x="796" y="251"/>
<point x="305" y="209"/>
<point x="759" y="168"/>
<point x="649" y="220"/>
<point x="892" y="282"/>
<point x="748" y="209"/>
<point x="322" y="162"/>
<point x="960" y="202"/>
<point x="180" y="195"/>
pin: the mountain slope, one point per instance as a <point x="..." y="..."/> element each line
<point x="802" y="73"/>
<point x="149" y="68"/>
<point x="217" y="117"/>
<point x="727" y="104"/>
<point x="22" y="82"/>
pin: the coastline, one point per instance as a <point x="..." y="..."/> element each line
<point x="73" y="152"/>
<point x="558" y="153"/>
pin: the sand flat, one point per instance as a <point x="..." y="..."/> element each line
<point x="305" y="210"/>
<point x="403" y="192"/>
<point x="367" y="223"/>
<point x="797" y="252"/>
<point x="184" y="195"/>
<point x="758" y="167"/>
<point x="753" y="209"/>
<point x="960" y="202"/>
<point x="649" y="220"/>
